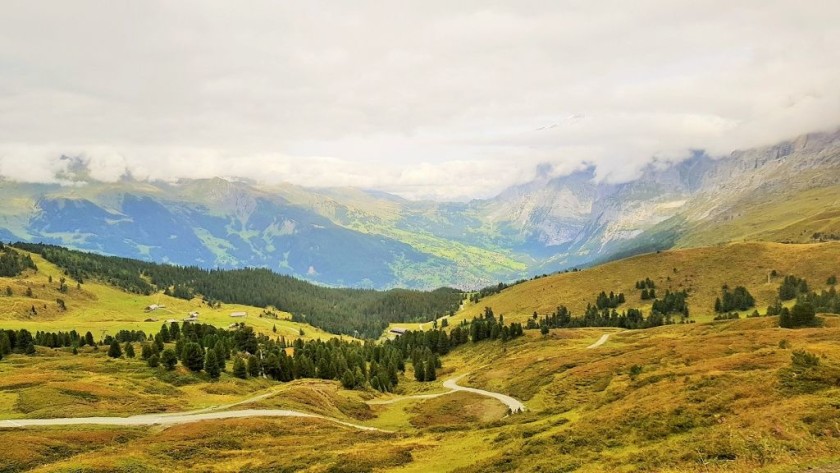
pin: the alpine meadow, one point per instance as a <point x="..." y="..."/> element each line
<point x="420" y="236"/>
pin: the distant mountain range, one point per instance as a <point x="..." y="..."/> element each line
<point x="350" y="237"/>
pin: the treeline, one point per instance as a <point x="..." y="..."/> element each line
<point x="672" y="303"/>
<point x="359" y="312"/>
<point x="13" y="263"/>
<point x="603" y="315"/>
<point x="737" y="299"/>
<point x="23" y="341"/>
<point x="808" y="303"/>
<point x="791" y="287"/>
<point x="594" y="317"/>
<point x="490" y="290"/>
<point x="497" y="288"/>
<point x="611" y="301"/>
<point x="425" y="347"/>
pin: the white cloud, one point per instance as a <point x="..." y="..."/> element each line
<point x="424" y="99"/>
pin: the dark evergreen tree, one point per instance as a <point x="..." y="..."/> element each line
<point x="431" y="373"/>
<point x="211" y="365"/>
<point x="253" y="366"/>
<point x="348" y="380"/>
<point x="129" y="350"/>
<point x="114" y="351"/>
<point x="5" y="343"/>
<point x="239" y="368"/>
<point x="169" y="359"/>
<point x="221" y="354"/>
<point x="193" y="357"/>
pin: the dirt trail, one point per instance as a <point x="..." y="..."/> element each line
<point x="174" y="418"/>
<point x="513" y="404"/>
<point x="600" y="341"/>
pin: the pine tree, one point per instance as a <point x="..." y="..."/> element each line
<point x="5" y="343"/>
<point x="220" y="354"/>
<point x="193" y="357"/>
<point x="146" y="351"/>
<point x="803" y="315"/>
<point x="129" y="350"/>
<point x="114" y="350"/>
<point x="153" y="361"/>
<point x="89" y="339"/>
<point x="168" y="358"/>
<point x="419" y="371"/>
<point x="347" y="380"/>
<point x="30" y="348"/>
<point x="253" y="366"/>
<point x="239" y="368"/>
<point x="430" y="374"/>
<point x="211" y="365"/>
<point x="164" y="333"/>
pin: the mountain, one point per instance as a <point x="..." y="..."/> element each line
<point x="789" y="192"/>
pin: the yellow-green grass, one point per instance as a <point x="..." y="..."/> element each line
<point x="318" y="396"/>
<point x="458" y="410"/>
<point x="793" y="217"/>
<point x="56" y="383"/>
<point x="701" y="271"/>
<point x="103" y="309"/>
<point x="706" y="397"/>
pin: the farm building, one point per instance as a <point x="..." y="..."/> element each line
<point x="238" y="314"/>
<point x="398" y="331"/>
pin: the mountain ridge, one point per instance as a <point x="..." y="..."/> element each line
<point x="361" y="238"/>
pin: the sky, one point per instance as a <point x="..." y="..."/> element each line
<point x="426" y="99"/>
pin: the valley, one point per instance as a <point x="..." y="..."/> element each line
<point x="784" y="192"/>
<point x="679" y="397"/>
<point x="419" y="237"/>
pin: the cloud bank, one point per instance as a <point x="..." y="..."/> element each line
<point x="423" y="99"/>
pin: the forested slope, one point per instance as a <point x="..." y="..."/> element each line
<point x="359" y="312"/>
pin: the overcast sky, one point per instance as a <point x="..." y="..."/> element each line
<point x="427" y="99"/>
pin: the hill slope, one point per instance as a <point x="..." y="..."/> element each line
<point x="700" y="271"/>
<point x="104" y="310"/>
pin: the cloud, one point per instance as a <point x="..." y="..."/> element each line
<point x="425" y="99"/>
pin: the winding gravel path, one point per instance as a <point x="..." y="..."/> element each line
<point x="174" y="418"/>
<point x="600" y="341"/>
<point x="452" y="385"/>
<point x="513" y="404"/>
